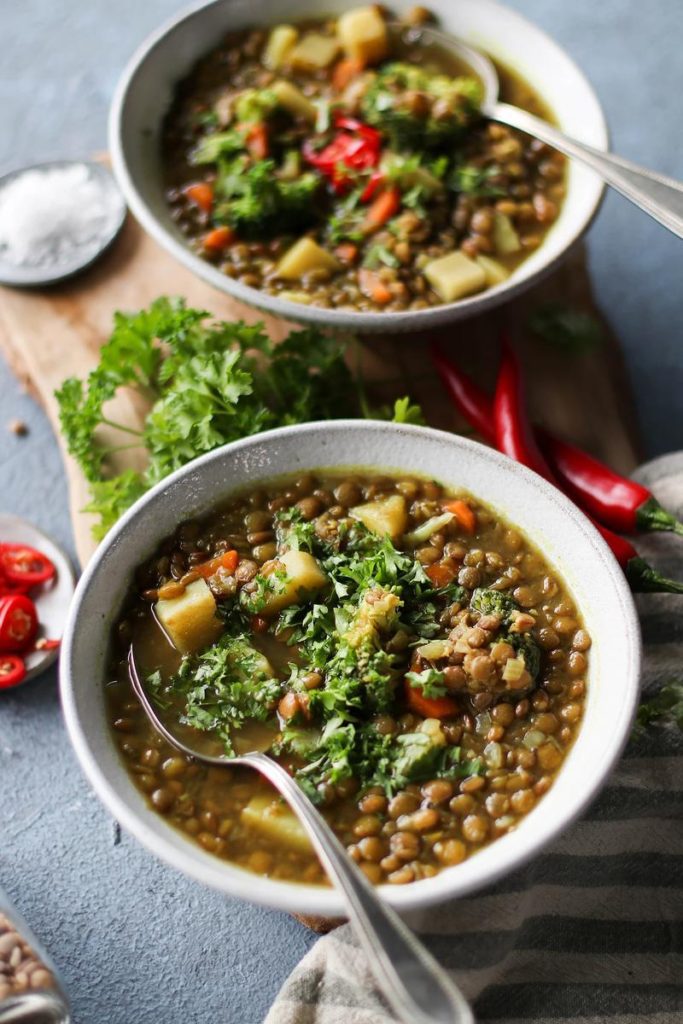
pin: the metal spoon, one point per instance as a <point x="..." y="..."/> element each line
<point x="656" y="194"/>
<point x="415" y="986"/>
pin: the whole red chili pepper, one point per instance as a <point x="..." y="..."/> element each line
<point x="513" y="431"/>
<point x="474" y="405"/>
<point x="478" y="409"/>
<point x="620" y="503"/>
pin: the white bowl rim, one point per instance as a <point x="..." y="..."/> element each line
<point x="403" y="321"/>
<point x="298" y="898"/>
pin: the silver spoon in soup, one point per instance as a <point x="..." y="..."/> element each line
<point x="415" y="986"/>
<point x="656" y="194"/>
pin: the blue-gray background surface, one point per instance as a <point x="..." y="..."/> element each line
<point x="137" y="943"/>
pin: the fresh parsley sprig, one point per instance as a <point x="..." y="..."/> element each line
<point x="206" y="382"/>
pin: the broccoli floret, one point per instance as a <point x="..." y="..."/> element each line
<point x="420" y="752"/>
<point x="377" y="613"/>
<point x="493" y="602"/>
<point x="425" y="754"/>
<point x="217" y="145"/>
<point x="255" y="105"/>
<point x="525" y="645"/>
<point x="256" y="202"/>
<point x="419" y="111"/>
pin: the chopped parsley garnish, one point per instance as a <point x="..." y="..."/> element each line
<point x="358" y="638"/>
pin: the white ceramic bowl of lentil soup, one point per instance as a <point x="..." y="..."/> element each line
<point x="485" y="562"/>
<point x="268" y="165"/>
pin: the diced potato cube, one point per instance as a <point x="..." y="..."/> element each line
<point x="268" y="816"/>
<point x="363" y="34"/>
<point x="455" y="276"/>
<point x="432" y="728"/>
<point x="387" y="517"/>
<point x="280" y="42"/>
<point x="190" y="620"/>
<point x="304" y="576"/>
<point x="505" y="238"/>
<point x="303" y="256"/>
<point x="495" y="272"/>
<point x="314" y="52"/>
<point x="293" y="100"/>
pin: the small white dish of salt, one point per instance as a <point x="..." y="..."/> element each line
<point x="55" y="219"/>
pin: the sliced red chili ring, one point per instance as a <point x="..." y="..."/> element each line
<point x="18" y="623"/>
<point x="12" y="670"/>
<point x="11" y="586"/>
<point x="22" y="564"/>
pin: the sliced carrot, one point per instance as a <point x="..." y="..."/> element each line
<point x="383" y="208"/>
<point x="429" y="707"/>
<point x="463" y="513"/>
<point x="441" y="574"/>
<point x="372" y="285"/>
<point x="345" y="71"/>
<point x="228" y="560"/>
<point x="347" y="252"/>
<point x="258" y="143"/>
<point x="218" y="239"/>
<point x="201" y="194"/>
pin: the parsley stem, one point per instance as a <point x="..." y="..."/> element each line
<point x="120" y="426"/>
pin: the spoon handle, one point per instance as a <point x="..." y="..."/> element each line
<point x="656" y="194"/>
<point x="416" y="987"/>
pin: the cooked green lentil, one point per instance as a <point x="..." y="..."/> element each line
<point x="404" y="651"/>
<point x="388" y="169"/>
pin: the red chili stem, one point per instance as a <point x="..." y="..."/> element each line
<point x="620" y="503"/>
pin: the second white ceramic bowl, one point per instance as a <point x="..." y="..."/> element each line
<point x="554" y="524"/>
<point x="146" y="88"/>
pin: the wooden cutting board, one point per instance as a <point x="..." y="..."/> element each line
<point x="56" y="332"/>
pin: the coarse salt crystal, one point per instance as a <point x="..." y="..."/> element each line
<point x="49" y="215"/>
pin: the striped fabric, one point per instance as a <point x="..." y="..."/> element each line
<point x="592" y="930"/>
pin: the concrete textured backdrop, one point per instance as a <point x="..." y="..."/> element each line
<point x="136" y="941"/>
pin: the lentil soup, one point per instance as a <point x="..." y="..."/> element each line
<point x="343" y="164"/>
<point x="405" y="652"/>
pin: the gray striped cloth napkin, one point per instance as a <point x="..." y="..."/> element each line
<point x="592" y="930"/>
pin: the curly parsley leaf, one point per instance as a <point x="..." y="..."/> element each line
<point x="206" y="383"/>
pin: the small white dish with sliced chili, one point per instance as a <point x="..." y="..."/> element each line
<point x="51" y="597"/>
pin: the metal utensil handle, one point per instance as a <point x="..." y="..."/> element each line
<point x="417" y="988"/>
<point x="656" y="194"/>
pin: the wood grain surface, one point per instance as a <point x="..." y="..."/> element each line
<point x="56" y="332"/>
